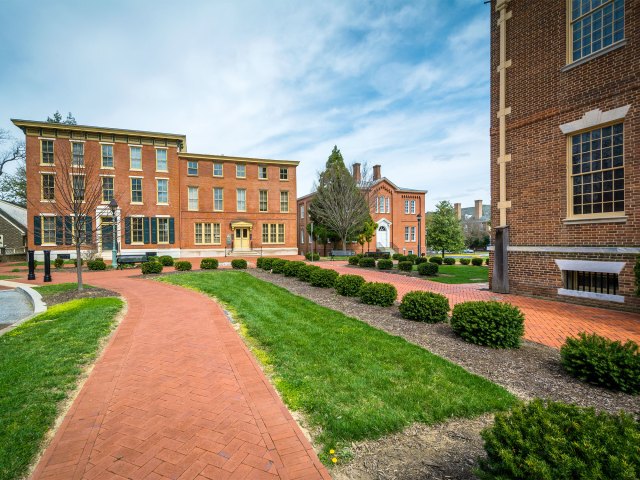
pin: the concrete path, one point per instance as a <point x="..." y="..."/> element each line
<point x="176" y="394"/>
<point x="14" y="306"/>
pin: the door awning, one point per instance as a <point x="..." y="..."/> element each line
<point x="241" y="224"/>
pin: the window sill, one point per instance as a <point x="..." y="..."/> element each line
<point x="192" y="174"/>
<point x="591" y="295"/>
<point x="136" y="203"/>
<point x="217" y="176"/>
<point x="135" y="169"/>
<point x="284" y="179"/>
<point x="584" y="221"/>
<point x="162" y="171"/>
<point x="107" y="168"/>
<point x="47" y="164"/>
<point x="599" y="53"/>
<point x="47" y="201"/>
<point x="162" y="204"/>
<point x="263" y="179"/>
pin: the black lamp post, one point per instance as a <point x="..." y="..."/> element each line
<point x="419" y="217"/>
<point x="113" y="206"/>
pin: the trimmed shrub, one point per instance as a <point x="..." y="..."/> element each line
<point x="494" y="324"/>
<point x="181" y="265"/>
<point x="465" y="261"/>
<point x="601" y="361"/>
<point x="259" y="262"/>
<point x="367" y="262"/>
<point x="420" y="260"/>
<point x="291" y="268"/>
<point x="152" y="258"/>
<point x="166" y="260"/>
<point x="429" y="269"/>
<point x="376" y="293"/>
<point x="486" y="261"/>
<point x="208" y="264"/>
<point x="239" y="263"/>
<point x="151" y="267"/>
<point x="349" y="285"/>
<point x="74" y="261"/>
<point x="304" y="273"/>
<point x="551" y="440"/>
<point x="277" y="266"/>
<point x="385" y="264"/>
<point x="266" y="263"/>
<point x="437" y="260"/>
<point x="425" y="307"/>
<point x="354" y="260"/>
<point x="412" y="258"/>
<point x="406" y="266"/>
<point x="401" y="258"/>
<point x="396" y="256"/>
<point x="323" y="278"/>
<point x="312" y="256"/>
<point x="97" y="264"/>
<point x="58" y="262"/>
<point x="476" y="261"/>
<point x="449" y="261"/>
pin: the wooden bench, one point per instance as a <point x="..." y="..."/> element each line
<point x="130" y="260"/>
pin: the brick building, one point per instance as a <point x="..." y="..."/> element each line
<point x="565" y="149"/>
<point x="394" y="209"/>
<point x="170" y="201"/>
<point x="13" y="228"/>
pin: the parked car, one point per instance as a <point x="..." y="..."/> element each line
<point x="468" y="250"/>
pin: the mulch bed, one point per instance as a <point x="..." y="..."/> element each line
<point x="449" y="450"/>
<point x="67" y="296"/>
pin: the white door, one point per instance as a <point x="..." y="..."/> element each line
<point x="382" y="237"/>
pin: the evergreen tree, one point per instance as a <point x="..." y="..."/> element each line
<point x="57" y="118"/>
<point x="444" y="231"/>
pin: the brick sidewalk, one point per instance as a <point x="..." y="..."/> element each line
<point x="176" y="394"/>
<point x="546" y="321"/>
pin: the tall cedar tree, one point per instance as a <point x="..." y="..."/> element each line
<point x="444" y="231"/>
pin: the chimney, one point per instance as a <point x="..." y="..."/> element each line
<point x="357" y="176"/>
<point x="458" y="208"/>
<point x="478" y="209"/>
<point x="376" y="172"/>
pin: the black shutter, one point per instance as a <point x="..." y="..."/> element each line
<point x="172" y="233"/>
<point x="88" y="230"/>
<point x="68" y="230"/>
<point x="145" y="223"/>
<point x="127" y="230"/>
<point x="59" y="230"/>
<point x="37" y="230"/>
<point x="154" y="230"/>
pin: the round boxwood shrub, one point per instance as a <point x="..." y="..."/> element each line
<point x="349" y="285"/>
<point x="58" y="262"/>
<point x="367" y="262"/>
<point x="449" y="261"/>
<point x="406" y="266"/>
<point x="323" y="278"/>
<point x="266" y="263"/>
<point x="385" y="264"/>
<point x="75" y="262"/>
<point x="181" y="265"/>
<point x="208" y="264"/>
<point x="396" y="256"/>
<point x="152" y="258"/>
<point x="277" y="266"/>
<point x="420" y="260"/>
<point x="239" y="263"/>
<point x="604" y="362"/>
<point x="465" y="261"/>
<point x="494" y="324"/>
<point x="412" y="258"/>
<point x="304" y="273"/>
<point x="476" y="261"/>
<point x="97" y="264"/>
<point x="401" y="258"/>
<point x="166" y="260"/>
<point x="437" y="260"/>
<point x="259" y="262"/>
<point x="425" y="307"/>
<point x="312" y="256"/>
<point x="151" y="267"/>
<point x="486" y="261"/>
<point x="550" y="440"/>
<point x="291" y="268"/>
<point x="428" y="269"/>
<point x="354" y="260"/>
<point x="375" y="293"/>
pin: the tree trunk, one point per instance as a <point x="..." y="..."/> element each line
<point x="443" y="253"/>
<point x="79" y="267"/>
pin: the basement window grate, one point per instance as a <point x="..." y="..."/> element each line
<point x="595" y="282"/>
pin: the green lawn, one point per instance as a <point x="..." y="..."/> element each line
<point x="49" y="290"/>
<point x="7" y="277"/>
<point x="460" y="274"/>
<point x="351" y="380"/>
<point x="40" y="362"/>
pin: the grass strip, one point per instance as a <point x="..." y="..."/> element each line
<point x="352" y="381"/>
<point x="458" y="274"/>
<point x="49" y="290"/>
<point x="40" y="362"/>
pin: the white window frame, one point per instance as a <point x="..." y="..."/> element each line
<point x="134" y="158"/>
<point x="193" y="199"/>
<point x="166" y="160"/>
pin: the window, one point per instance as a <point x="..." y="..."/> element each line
<point x="595" y="282"/>
<point x="284" y="202"/>
<point x="107" y="156"/>
<point x="107" y="189"/>
<point x="388" y="205"/>
<point x="409" y="234"/>
<point x="273" y="233"/>
<point x="48" y="230"/>
<point x="218" y="199"/>
<point x="163" y="230"/>
<point x="284" y="173"/>
<point x="78" y="187"/>
<point x="241" y="200"/>
<point x="413" y="234"/>
<point x="217" y="169"/>
<point x="264" y="195"/>
<point x="162" y="187"/>
<point x="406" y="234"/>
<point x="413" y="206"/>
<point x="136" y="190"/>
<point x="78" y="154"/>
<point x="192" y="196"/>
<point x="406" y="206"/>
<point x="241" y="171"/>
<point x="302" y="235"/>
<point x="161" y="159"/>
<point x="262" y="172"/>
<point x="136" y="158"/>
<point x="192" y="168"/>
<point x="48" y="186"/>
<point x="207" y="233"/>
<point x="47" y="151"/>
<point x="595" y="24"/>
<point x="137" y="230"/>
<point x="597" y="172"/>
<point x="301" y="211"/>
<point x="381" y="204"/>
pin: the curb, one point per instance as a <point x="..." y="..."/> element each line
<point x="34" y="297"/>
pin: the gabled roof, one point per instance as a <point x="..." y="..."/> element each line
<point x="14" y="214"/>
<point x="400" y="189"/>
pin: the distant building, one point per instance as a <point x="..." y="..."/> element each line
<point x="477" y="218"/>
<point x="394" y="209"/>
<point x="13" y="228"/>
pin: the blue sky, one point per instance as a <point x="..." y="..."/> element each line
<point x="402" y="84"/>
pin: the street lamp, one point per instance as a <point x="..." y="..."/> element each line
<point x="113" y="206"/>
<point x="419" y="233"/>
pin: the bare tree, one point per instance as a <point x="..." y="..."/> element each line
<point x="15" y="152"/>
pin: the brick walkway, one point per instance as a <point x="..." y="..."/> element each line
<point x="176" y="394"/>
<point x="547" y="322"/>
